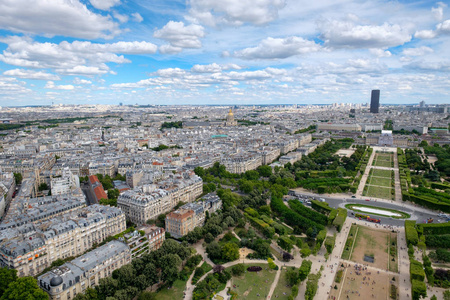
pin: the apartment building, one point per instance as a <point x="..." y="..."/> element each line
<point x="242" y="163"/>
<point x="64" y="184"/>
<point x="72" y="278"/>
<point x="148" y="201"/>
<point x="30" y="248"/>
<point x="180" y="222"/>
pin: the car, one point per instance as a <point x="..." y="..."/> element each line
<point x="322" y="200"/>
<point x="367" y="199"/>
<point x="353" y="196"/>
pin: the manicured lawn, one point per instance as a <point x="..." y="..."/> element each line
<point x="380" y="181"/>
<point x="349" y="242"/>
<point x="381" y="173"/>
<point x="282" y="290"/>
<point x="379" y="192"/>
<point x="252" y="284"/>
<point x="383" y="160"/>
<point x="355" y="207"/>
<point x="175" y="292"/>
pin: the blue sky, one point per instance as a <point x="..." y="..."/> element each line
<point x="223" y="52"/>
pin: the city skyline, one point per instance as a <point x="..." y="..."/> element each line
<point x="223" y="53"/>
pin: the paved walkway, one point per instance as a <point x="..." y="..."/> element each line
<point x="364" y="177"/>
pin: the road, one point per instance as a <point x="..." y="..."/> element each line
<point x="417" y="213"/>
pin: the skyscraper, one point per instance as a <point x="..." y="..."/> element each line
<point x="375" y="101"/>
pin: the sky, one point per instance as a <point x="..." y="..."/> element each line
<point x="166" y="52"/>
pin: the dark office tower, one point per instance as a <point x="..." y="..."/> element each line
<point x="375" y="101"/>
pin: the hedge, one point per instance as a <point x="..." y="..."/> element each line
<point x="412" y="237"/>
<point x="329" y="243"/>
<point x="321" y="207"/>
<point x="416" y="270"/>
<point x="307" y="213"/>
<point x="291" y="217"/>
<point x="438" y="241"/>
<point x="332" y="216"/>
<point x="304" y="270"/>
<point x="419" y="289"/>
<point x="427" y="202"/>
<point x="340" y="219"/>
<point x="435" y="228"/>
<point x="261" y="226"/>
<point x="439" y="186"/>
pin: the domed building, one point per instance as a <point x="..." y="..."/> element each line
<point x="230" y="119"/>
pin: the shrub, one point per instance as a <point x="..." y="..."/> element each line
<point x="254" y="269"/>
<point x="419" y="289"/>
<point x="340" y="219"/>
<point x="412" y="236"/>
<point x="304" y="270"/>
<point x="238" y="270"/>
<point x="416" y="270"/>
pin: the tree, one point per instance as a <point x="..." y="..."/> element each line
<point x="113" y="193"/>
<point x="125" y="275"/>
<point x="18" y="177"/>
<point x="265" y="171"/>
<point x="43" y="186"/>
<point x="107" y="287"/>
<point x="147" y="296"/>
<point x="292" y="276"/>
<point x="7" y="276"/>
<point x="423" y="144"/>
<point x="209" y="237"/>
<point x="214" y="251"/>
<point x="24" y="288"/>
<point x="141" y="282"/>
<point x="151" y="273"/>
<point x="230" y="251"/>
<point x="238" y="270"/>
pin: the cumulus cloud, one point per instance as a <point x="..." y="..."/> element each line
<point x="339" y="34"/>
<point x="104" y="4"/>
<point x="137" y="17"/>
<point x="81" y="81"/>
<point x="417" y="51"/>
<point x="51" y="85"/>
<point x="273" y="48"/>
<point x="76" y="58"/>
<point x="438" y="12"/>
<point x="425" y="34"/>
<point x="30" y="74"/>
<point x="121" y="18"/>
<point x="235" y="12"/>
<point x="11" y="86"/>
<point x="180" y="36"/>
<point x="380" y="52"/>
<point x="212" y="68"/>
<point x="444" y="27"/>
<point x="56" y="17"/>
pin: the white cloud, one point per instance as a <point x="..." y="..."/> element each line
<point x="417" y="51"/>
<point x="104" y="4"/>
<point x="340" y="34"/>
<point x="51" y="85"/>
<point x="380" y="53"/>
<point x="137" y="17"/>
<point x="11" y="86"/>
<point x="76" y="58"/>
<point x="180" y="36"/>
<point x="30" y="74"/>
<point x="235" y="12"/>
<point x="169" y="49"/>
<point x="438" y="12"/>
<point x="425" y="34"/>
<point x="81" y="81"/>
<point x="274" y="48"/>
<point x="212" y="68"/>
<point x="444" y="27"/>
<point x="56" y="17"/>
<point x="121" y="18"/>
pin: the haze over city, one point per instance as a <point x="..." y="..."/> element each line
<point x="223" y="52"/>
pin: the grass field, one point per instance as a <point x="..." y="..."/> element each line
<point x="383" y="160"/>
<point x="379" y="192"/>
<point x="380" y="181"/>
<point x="349" y="243"/>
<point x="368" y="242"/>
<point x="252" y="284"/>
<point x="351" y="287"/>
<point x="381" y="173"/>
<point x="175" y="292"/>
<point x="282" y="290"/>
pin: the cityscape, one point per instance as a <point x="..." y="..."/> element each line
<point x="272" y="149"/>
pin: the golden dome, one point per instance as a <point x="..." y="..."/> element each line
<point x="230" y="113"/>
